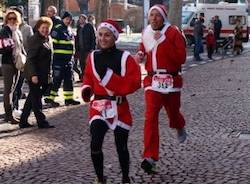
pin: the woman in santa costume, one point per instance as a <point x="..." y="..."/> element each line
<point x="163" y="45"/>
<point x="110" y="75"/>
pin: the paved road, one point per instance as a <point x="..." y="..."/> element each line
<point x="215" y="102"/>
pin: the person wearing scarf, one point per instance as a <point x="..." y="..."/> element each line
<point x="10" y="47"/>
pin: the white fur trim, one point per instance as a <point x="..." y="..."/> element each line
<point x="113" y="125"/>
<point x="123" y="62"/>
<point x="161" y="11"/>
<point x="95" y="72"/>
<point x="160" y="40"/>
<point x="148" y="39"/>
<point x="109" y="27"/>
<point x="172" y="90"/>
<point x="85" y="86"/>
<point x="107" y="77"/>
<point x="93" y="66"/>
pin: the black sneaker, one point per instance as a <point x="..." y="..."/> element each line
<point x="25" y="125"/>
<point x="52" y="103"/>
<point x="45" y="125"/>
<point x="14" y="121"/>
<point x="71" y="102"/>
<point x="181" y="135"/>
<point x="148" y="167"/>
<point x="96" y="181"/>
<point x="126" y="180"/>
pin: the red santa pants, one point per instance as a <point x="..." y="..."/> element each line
<point x="154" y="102"/>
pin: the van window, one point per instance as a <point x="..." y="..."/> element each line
<point x="233" y="18"/>
<point x="186" y="15"/>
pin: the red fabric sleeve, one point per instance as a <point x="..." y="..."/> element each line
<point x="87" y="79"/>
<point x="180" y="48"/>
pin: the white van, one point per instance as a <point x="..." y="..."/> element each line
<point x="228" y="11"/>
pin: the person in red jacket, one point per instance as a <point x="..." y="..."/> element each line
<point x="163" y="45"/>
<point x="110" y="75"/>
<point x="211" y="43"/>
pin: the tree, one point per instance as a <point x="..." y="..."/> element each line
<point x="83" y="4"/>
<point x="101" y="10"/>
<point x="175" y="11"/>
<point x="15" y="2"/>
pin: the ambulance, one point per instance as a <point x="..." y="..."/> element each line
<point x="228" y="11"/>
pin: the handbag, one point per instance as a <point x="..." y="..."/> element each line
<point x="20" y="61"/>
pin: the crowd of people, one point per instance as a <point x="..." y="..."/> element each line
<point x="44" y="56"/>
<point x="213" y="37"/>
<point x="22" y="58"/>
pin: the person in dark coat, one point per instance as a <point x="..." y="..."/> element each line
<point x="217" y="29"/>
<point x="37" y="73"/>
<point x="85" y="40"/>
<point x="198" y="34"/>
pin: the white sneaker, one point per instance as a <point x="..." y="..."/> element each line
<point x="17" y="114"/>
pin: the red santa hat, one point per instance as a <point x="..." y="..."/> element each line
<point x="112" y="26"/>
<point x="161" y="9"/>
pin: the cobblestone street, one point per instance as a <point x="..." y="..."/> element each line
<point x="215" y="103"/>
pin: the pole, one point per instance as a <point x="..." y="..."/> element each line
<point x="146" y="5"/>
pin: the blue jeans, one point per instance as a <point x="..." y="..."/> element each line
<point x="198" y="47"/>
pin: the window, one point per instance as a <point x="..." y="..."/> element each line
<point x="186" y="15"/>
<point x="233" y="18"/>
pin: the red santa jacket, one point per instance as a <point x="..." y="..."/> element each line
<point x="167" y="53"/>
<point x="122" y="80"/>
<point x="210" y="40"/>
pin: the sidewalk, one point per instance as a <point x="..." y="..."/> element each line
<point x="215" y="103"/>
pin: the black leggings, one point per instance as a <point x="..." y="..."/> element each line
<point x="98" y="130"/>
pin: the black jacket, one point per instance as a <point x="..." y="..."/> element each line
<point x="38" y="58"/>
<point x="7" y="56"/>
<point x="85" y="38"/>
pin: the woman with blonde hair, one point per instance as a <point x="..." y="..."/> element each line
<point x="37" y="73"/>
<point x="11" y="45"/>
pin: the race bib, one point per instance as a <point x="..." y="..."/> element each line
<point x="162" y="82"/>
<point x="107" y="108"/>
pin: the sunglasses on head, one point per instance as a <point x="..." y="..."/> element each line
<point x="12" y="18"/>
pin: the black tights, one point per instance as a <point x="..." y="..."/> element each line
<point x="98" y="130"/>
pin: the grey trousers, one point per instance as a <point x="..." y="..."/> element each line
<point x="10" y="77"/>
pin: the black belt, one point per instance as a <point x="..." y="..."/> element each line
<point x="170" y="73"/>
<point x="118" y="99"/>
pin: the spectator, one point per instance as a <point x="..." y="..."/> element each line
<point x="11" y="46"/>
<point x="85" y="40"/>
<point x="211" y="24"/>
<point x="63" y="49"/>
<point x="217" y="29"/>
<point x="211" y="43"/>
<point x="52" y="13"/>
<point x="37" y="70"/>
<point x="80" y="23"/>
<point x="238" y="34"/>
<point x="198" y="34"/>
<point x="27" y="32"/>
<point x="91" y="20"/>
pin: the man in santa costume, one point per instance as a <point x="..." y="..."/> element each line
<point x="163" y="45"/>
<point x="110" y="75"/>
